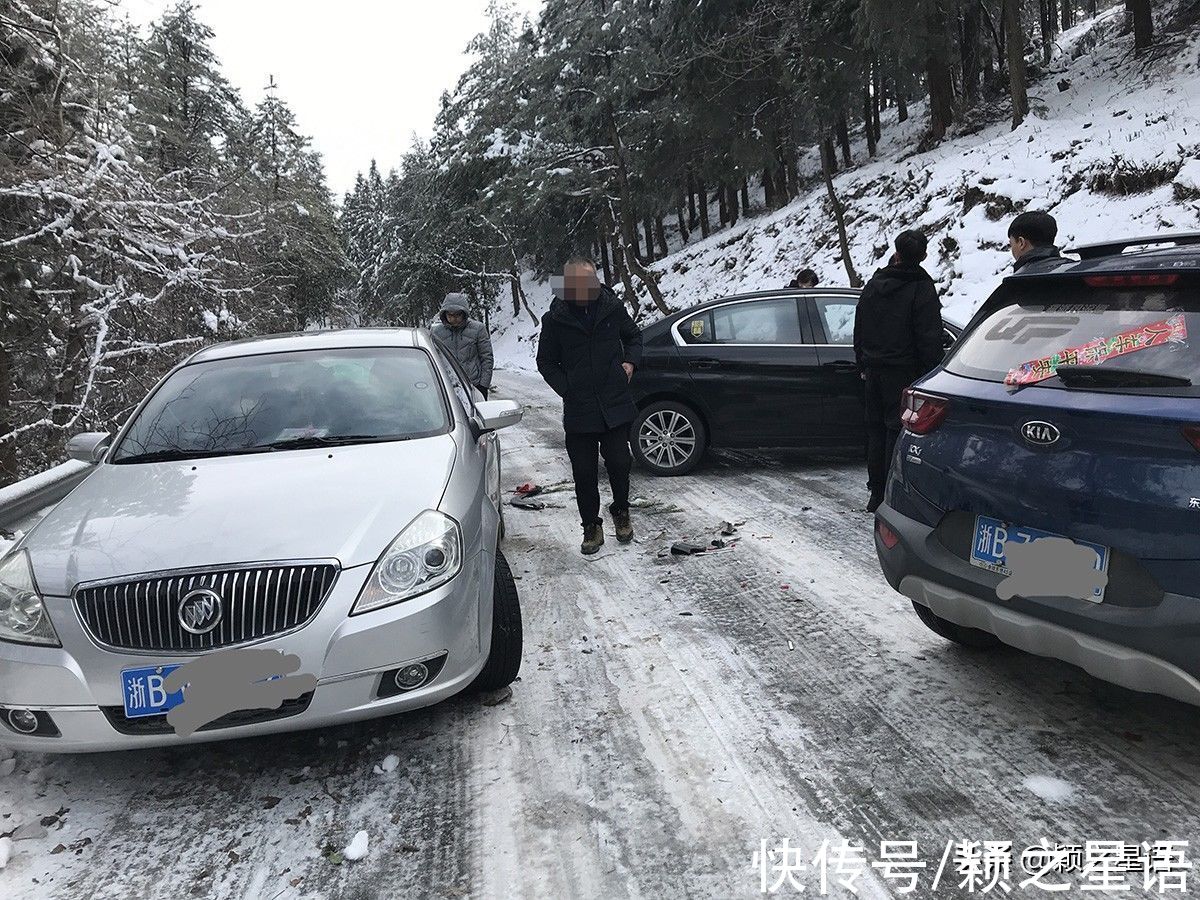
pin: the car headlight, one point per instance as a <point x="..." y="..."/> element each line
<point x="425" y="555"/>
<point x="23" y="616"/>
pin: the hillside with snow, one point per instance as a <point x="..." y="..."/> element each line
<point x="1112" y="148"/>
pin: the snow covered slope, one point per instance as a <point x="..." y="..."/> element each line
<point x="1109" y="149"/>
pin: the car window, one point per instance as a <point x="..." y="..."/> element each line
<point x="1141" y="341"/>
<point x="837" y="318"/>
<point x="757" y="322"/>
<point x="254" y="402"/>
<point x="697" y="329"/>
<point x="456" y="377"/>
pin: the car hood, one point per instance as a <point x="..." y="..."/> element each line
<point x="346" y="503"/>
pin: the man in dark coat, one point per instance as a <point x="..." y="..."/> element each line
<point x="1031" y="238"/>
<point x="588" y="351"/>
<point x="897" y="338"/>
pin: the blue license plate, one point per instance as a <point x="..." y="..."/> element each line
<point x="144" y="693"/>
<point x="987" y="549"/>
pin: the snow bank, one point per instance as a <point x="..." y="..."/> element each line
<point x="1109" y="149"/>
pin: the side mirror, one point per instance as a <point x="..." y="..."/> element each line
<point x="492" y="415"/>
<point x="89" y="447"/>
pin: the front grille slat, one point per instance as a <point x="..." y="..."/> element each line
<point x="257" y="601"/>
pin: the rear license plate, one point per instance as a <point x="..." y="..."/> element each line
<point x="987" y="549"/>
<point x="144" y="692"/>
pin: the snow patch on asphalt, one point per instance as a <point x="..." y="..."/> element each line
<point x="1050" y="789"/>
<point x="358" y="848"/>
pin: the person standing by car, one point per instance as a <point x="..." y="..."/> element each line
<point x="805" y="278"/>
<point x="1031" y="238"/>
<point x="467" y="339"/>
<point x="588" y="351"/>
<point x="897" y="338"/>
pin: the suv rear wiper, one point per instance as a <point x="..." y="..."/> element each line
<point x="313" y="440"/>
<point x="1101" y="377"/>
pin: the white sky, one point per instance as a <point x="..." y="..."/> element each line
<point x="361" y="75"/>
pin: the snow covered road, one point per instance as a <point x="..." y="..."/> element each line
<point x="672" y="713"/>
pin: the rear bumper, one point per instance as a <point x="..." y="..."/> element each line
<point x="1152" y="649"/>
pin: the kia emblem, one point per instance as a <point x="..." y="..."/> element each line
<point x="1041" y="433"/>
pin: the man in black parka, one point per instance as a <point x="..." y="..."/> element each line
<point x="897" y="339"/>
<point x="588" y="351"/>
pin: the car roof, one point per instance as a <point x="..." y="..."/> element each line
<point x="758" y="295"/>
<point x="331" y="339"/>
<point x="1114" y="257"/>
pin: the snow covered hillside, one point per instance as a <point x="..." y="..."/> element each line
<point x="1111" y="149"/>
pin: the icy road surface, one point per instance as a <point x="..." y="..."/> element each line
<point x="671" y="715"/>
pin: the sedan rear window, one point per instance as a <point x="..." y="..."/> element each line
<point x="1081" y="338"/>
<point x="281" y="401"/>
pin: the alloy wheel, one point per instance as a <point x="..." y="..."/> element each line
<point x="667" y="439"/>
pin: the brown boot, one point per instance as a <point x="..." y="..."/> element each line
<point x="623" y="525"/>
<point x="593" y="539"/>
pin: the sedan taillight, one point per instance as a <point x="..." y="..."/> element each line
<point x="923" y="412"/>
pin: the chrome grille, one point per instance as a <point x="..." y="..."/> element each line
<point x="257" y="601"/>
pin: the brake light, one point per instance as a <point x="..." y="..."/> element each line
<point x="1126" y="281"/>
<point x="1192" y="433"/>
<point x="923" y="412"/>
<point x="890" y="538"/>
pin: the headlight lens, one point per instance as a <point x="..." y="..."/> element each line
<point x="23" y="616"/>
<point x="425" y="555"/>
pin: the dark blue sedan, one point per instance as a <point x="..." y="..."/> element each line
<point x="1068" y="413"/>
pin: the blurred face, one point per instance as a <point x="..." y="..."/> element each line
<point x="580" y="284"/>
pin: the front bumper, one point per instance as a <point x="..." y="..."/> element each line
<point x="1147" y="648"/>
<point x="347" y="654"/>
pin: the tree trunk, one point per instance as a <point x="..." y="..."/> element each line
<point x="8" y="449"/>
<point x="839" y="214"/>
<point x="690" y="190"/>
<point x="827" y="149"/>
<point x="722" y="204"/>
<point x="745" y="196"/>
<point x="1014" y="38"/>
<point x="705" y="228"/>
<point x="732" y="204"/>
<point x="969" y="52"/>
<point x="843" y="136"/>
<point x="73" y="355"/>
<point x="1049" y="17"/>
<point x="768" y="184"/>
<point x="661" y="233"/>
<point x="869" y="127"/>
<point x="605" y="227"/>
<point x="684" y="233"/>
<point x="876" y="100"/>
<point x="1068" y="14"/>
<point x="941" y="95"/>
<point x="1143" y="24"/>
<point x="900" y="88"/>
<point x="648" y="228"/>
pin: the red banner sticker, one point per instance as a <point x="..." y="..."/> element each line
<point x="1093" y="353"/>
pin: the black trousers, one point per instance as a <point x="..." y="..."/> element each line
<point x="582" y="450"/>
<point x="483" y="391"/>
<point x="884" y="388"/>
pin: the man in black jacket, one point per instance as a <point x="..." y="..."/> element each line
<point x="588" y="351"/>
<point x="1031" y="238"/>
<point x="897" y="338"/>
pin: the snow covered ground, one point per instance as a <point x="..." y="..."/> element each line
<point x="672" y="714"/>
<point x="1102" y="124"/>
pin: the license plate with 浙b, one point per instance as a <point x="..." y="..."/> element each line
<point x="145" y="694"/>
<point x="987" y="547"/>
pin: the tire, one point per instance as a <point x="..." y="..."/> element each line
<point x="684" y="430"/>
<point x="960" y="634"/>
<point x="504" y="656"/>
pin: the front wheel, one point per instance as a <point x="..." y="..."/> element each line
<point x="668" y="438"/>
<point x="504" y="657"/>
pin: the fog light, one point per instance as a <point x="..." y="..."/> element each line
<point x="23" y="720"/>
<point x="411" y="676"/>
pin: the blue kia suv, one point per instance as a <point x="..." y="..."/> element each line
<point x="1070" y="408"/>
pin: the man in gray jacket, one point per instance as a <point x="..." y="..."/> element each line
<point x="467" y="339"/>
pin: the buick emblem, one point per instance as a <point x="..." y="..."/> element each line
<point x="200" y="611"/>
<point x="1041" y="433"/>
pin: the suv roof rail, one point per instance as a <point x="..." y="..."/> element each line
<point x="1112" y="248"/>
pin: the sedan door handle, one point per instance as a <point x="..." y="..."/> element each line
<point x="841" y="364"/>
<point x="706" y="363"/>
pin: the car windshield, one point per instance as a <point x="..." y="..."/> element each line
<point x="255" y="404"/>
<point x="1129" y="341"/>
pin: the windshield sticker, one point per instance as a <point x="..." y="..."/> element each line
<point x="1093" y="353"/>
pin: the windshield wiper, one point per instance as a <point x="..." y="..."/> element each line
<point x="179" y="453"/>
<point x="313" y="440"/>
<point x="1101" y="377"/>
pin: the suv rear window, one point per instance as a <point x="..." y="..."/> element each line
<point x="1140" y="341"/>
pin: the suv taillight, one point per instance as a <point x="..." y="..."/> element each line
<point x="1192" y="433"/>
<point x="1164" y="279"/>
<point x="923" y="412"/>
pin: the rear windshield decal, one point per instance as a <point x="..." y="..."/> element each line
<point x="1093" y="353"/>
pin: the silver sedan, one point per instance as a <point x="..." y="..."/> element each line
<point x="331" y="497"/>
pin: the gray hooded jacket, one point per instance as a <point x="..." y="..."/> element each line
<point x="470" y="342"/>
